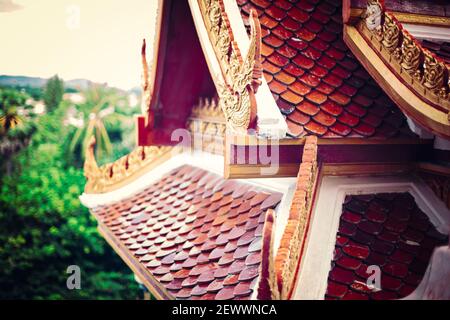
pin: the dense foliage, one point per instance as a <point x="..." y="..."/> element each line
<point x="44" y="228"/>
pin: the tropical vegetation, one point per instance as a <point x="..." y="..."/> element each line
<point x="43" y="226"/>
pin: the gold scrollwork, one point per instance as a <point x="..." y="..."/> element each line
<point x="433" y="77"/>
<point x="146" y="89"/>
<point x="104" y="178"/>
<point x="241" y="77"/>
<point x="391" y="34"/>
<point x="410" y="55"/>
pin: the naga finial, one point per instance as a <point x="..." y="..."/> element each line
<point x="146" y="93"/>
<point x="373" y="14"/>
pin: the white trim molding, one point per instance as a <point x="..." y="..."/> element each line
<point x="421" y="31"/>
<point x="439" y="143"/>
<point x="312" y="278"/>
<point x="418" y="129"/>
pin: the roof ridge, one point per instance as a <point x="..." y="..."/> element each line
<point x="289" y="253"/>
<point x="112" y="175"/>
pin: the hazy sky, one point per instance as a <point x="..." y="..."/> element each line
<point x="99" y="40"/>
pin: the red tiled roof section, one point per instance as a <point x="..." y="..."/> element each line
<point x="386" y="230"/>
<point x="318" y="84"/>
<point x="293" y="239"/>
<point x="198" y="236"/>
<point x="440" y="184"/>
<point x="441" y="49"/>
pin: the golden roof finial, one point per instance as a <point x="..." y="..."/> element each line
<point x="91" y="170"/>
<point x="146" y="92"/>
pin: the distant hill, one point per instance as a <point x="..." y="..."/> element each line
<point x="36" y="82"/>
<point x="79" y="84"/>
<point x="22" y="81"/>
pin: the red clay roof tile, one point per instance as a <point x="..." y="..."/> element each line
<point x="281" y="32"/>
<point x="303" y="62"/>
<point x="273" y="41"/>
<point x="262" y="3"/>
<point x="316" y="97"/>
<point x="298" y="15"/>
<point x="267" y="22"/>
<point x="294" y="70"/>
<point x="291" y="24"/>
<point x="324" y="119"/>
<point x="308" y="108"/>
<point x="277" y="87"/>
<point x="315" y="128"/>
<point x="283" y="77"/>
<point x="291" y="97"/>
<point x="299" y="117"/>
<point x="275" y="12"/>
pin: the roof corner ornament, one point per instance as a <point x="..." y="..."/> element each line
<point x="109" y="176"/>
<point x="373" y="15"/>
<point x="267" y="286"/>
<point x="91" y="169"/>
<point x="146" y="89"/>
<point x="241" y="76"/>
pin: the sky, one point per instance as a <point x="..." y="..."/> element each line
<point x="99" y="40"/>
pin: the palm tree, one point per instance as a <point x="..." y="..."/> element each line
<point x="15" y="129"/>
<point x="10" y="117"/>
<point x="92" y="117"/>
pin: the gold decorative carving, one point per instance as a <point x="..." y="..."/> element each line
<point x="424" y="73"/>
<point x="295" y="233"/>
<point x="391" y="34"/>
<point x="146" y="90"/>
<point x="410" y="54"/>
<point x="207" y="108"/>
<point x="109" y="176"/>
<point x="433" y="77"/>
<point x="207" y="125"/>
<point x="241" y="77"/>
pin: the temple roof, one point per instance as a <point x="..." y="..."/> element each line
<point x="386" y="230"/>
<point x="193" y="234"/>
<point x="318" y="84"/>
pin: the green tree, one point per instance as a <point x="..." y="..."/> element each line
<point x="97" y="113"/>
<point x="53" y="93"/>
